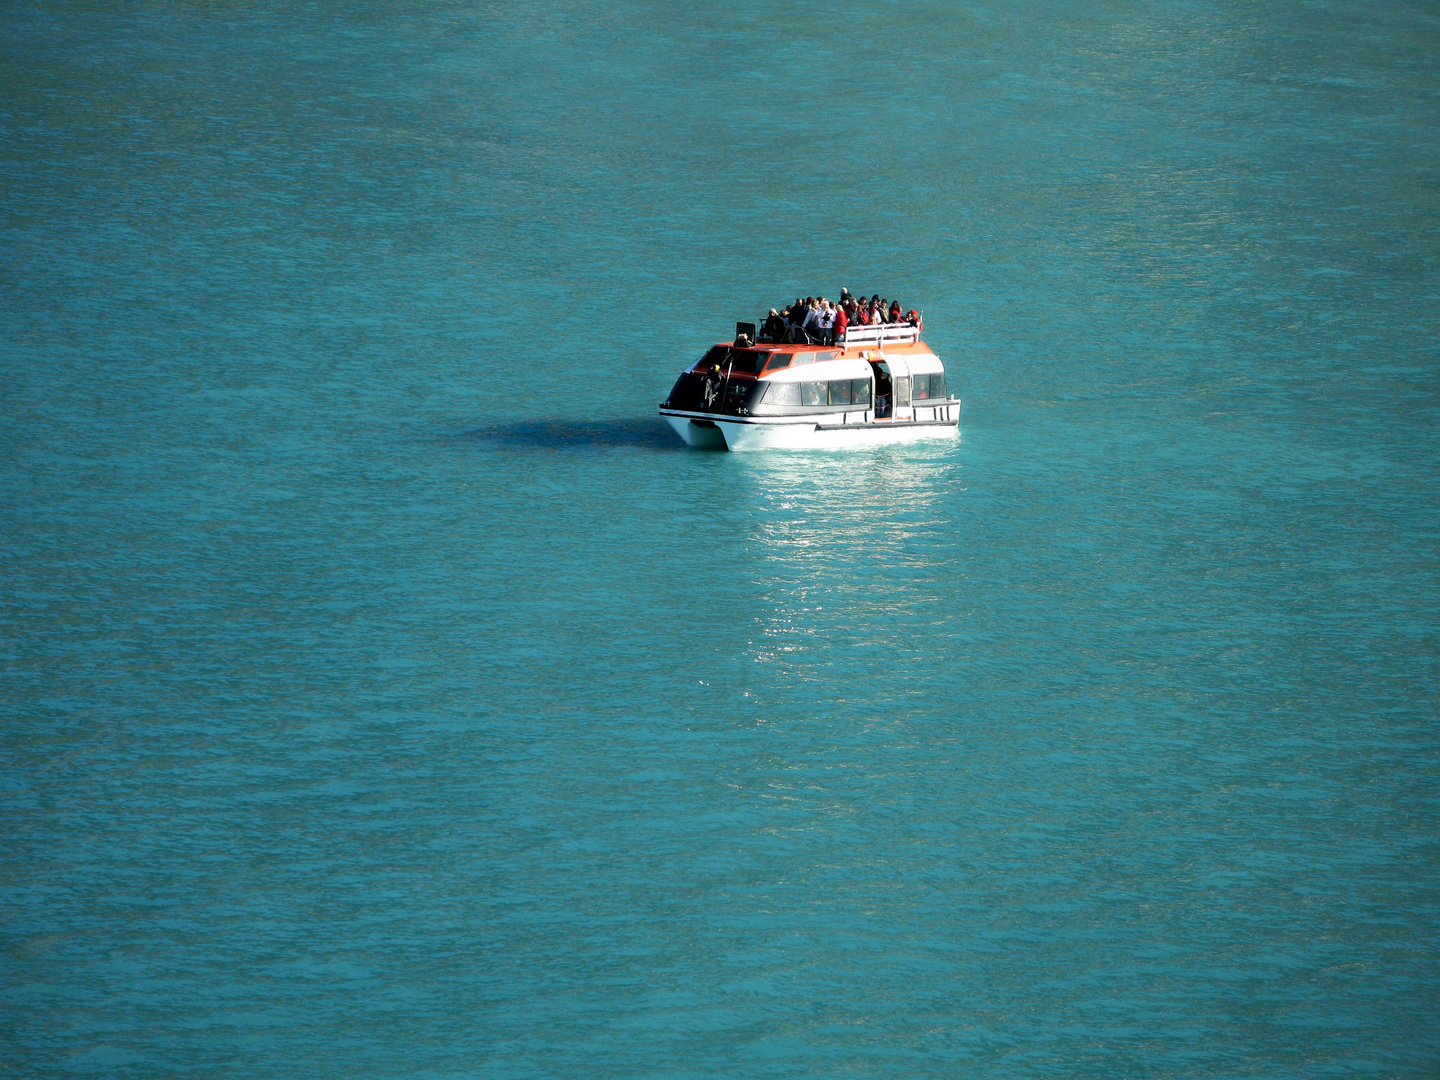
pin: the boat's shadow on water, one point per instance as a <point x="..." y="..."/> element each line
<point x="578" y="435"/>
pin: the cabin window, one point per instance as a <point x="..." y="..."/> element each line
<point x="783" y="393"/>
<point x="838" y="392"/>
<point x="937" y="385"/>
<point x="748" y="361"/>
<point x="902" y="390"/>
<point x="779" y="360"/>
<point x="920" y="388"/>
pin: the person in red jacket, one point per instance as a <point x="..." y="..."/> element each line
<point x="841" y="322"/>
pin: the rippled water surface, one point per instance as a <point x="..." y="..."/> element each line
<point x="387" y="693"/>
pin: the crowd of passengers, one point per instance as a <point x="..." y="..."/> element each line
<point x="818" y="321"/>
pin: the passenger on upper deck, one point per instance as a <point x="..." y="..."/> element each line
<point x="774" y="328"/>
<point x="818" y="321"/>
<point x="827" y="322"/>
<point x="811" y="325"/>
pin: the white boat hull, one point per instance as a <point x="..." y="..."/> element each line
<point x="829" y="432"/>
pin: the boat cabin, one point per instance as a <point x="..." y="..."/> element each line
<point x="772" y="380"/>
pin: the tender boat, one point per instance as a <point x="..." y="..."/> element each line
<point x="879" y="384"/>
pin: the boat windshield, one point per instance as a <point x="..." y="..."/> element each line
<point x="747" y="361"/>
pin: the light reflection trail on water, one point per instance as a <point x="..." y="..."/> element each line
<point x="848" y="548"/>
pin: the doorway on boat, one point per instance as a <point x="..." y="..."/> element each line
<point x="884" y="390"/>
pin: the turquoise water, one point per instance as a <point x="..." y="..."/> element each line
<point x="387" y="693"/>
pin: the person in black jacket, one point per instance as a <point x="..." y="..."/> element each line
<point x="774" y="328"/>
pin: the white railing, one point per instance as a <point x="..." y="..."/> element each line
<point x="879" y="334"/>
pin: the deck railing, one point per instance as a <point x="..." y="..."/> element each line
<point x="880" y="334"/>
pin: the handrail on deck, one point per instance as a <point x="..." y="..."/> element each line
<point x="880" y="334"/>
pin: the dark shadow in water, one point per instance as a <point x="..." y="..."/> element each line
<point x="579" y="434"/>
